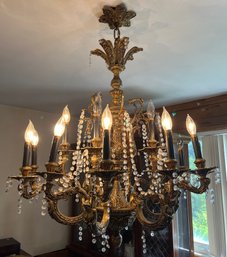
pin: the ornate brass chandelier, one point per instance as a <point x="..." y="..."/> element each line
<point x="123" y="166"/>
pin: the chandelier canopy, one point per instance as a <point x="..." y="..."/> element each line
<point x="123" y="166"/>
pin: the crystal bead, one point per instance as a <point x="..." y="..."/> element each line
<point x="144" y="251"/>
<point x="80" y="238"/>
<point x="43" y="213"/>
<point x="103" y="249"/>
<point x="93" y="241"/>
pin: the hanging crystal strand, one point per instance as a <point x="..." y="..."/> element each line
<point x="44" y="205"/>
<point x="76" y="158"/>
<point x="80" y="233"/>
<point x="104" y="242"/>
<point x="93" y="238"/>
<point x="217" y="176"/>
<point x="143" y="237"/>
<point x="9" y="184"/>
<point x="133" y="164"/>
<point x="145" y="143"/>
<point x="125" y="156"/>
<point x="19" y="210"/>
<point x="152" y="234"/>
<point x="212" y="196"/>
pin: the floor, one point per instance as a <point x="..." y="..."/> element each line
<point x="62" y="253"/>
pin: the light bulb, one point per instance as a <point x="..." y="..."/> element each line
<point x="166" y="120"/>
<point x="28" y="135"/>
<point x="66" y="115"/>
<point x="59" y="127"/>
<point x="35" y="138"/>
<point x="150" y="109"/>
<point x="107" y="118"/>
<point x="190" y="125"/>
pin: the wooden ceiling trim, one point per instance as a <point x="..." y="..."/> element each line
<point x="210" y="114"/>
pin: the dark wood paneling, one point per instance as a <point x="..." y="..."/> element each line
<point x="210" y="114"/>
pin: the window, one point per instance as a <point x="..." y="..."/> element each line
<point x="199" y="214"/>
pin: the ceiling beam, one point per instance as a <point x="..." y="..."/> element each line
<point x="209" y="114"/>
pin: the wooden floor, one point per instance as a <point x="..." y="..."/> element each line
<point x="62" y="253"/>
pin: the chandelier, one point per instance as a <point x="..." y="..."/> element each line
<point x="123" y="166"/>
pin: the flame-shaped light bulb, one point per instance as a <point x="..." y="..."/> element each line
<point x="190" y="125"/>
<point x="59" y="127"/>
<point x="28" y="135"/>
<point x="66" y="115"/>
<point x="107" y="119"/>
<point x="35" y="138"/>
<point x="166" y="120"/>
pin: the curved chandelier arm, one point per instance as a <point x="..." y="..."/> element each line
<point x="66" y="193"/>
<point x="102" y="226"/>
<point x="204" y="183"/>
<point x="55" y="213"/>
<point x="161" y="218"/>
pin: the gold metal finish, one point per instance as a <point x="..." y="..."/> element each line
<point x="113" y="193"/>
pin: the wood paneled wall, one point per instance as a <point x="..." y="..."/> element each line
<point x="210" y="114"/>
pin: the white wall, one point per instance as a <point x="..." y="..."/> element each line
<point x="37" y="234"/>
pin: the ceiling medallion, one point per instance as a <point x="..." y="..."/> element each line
<point x="123" y="166"/>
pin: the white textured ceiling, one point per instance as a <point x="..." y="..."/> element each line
<point x="45" y="45"/>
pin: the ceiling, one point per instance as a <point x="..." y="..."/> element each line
<point x="45" y="45"/>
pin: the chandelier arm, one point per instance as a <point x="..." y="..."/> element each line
<point x="163" y="218"/>
<point x="65" y="193"/>
<point x="55" y="213"/>
<point x="101" y="227"/>
<point x="27" y="194"/>
<point x="204" y="183"/>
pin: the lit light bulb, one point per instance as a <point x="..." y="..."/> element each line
<point x="150" y="109"/>
<point x="166" y="120"/>
<point x="66" y="115"/>
<point x="28" y="135"/>
<point x="190" y="125"/>
<point x="107" y="118"/>
<point x="35" y="138"/>
<point x="59" y="127"/>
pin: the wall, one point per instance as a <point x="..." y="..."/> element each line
<point x="37" y="234"/>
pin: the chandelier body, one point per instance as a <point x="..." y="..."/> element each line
<point x="106" y="176"/>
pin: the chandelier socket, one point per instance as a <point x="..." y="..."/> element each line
<point x="34" y="168"/>
<point x="200" y="163"/>
<point x="53" y="167"/>
<point x="26" y="170"/>
<point x="171" y="164"/>
<point x="106" y="165"/>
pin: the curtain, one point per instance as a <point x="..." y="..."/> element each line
<point x="215" y="153"/>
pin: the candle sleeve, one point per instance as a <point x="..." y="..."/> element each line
<point x="26" y="155"/>
<point x="54" y="149"/>
<point x="169" y="144"/>
<point x="106" y="145"/>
